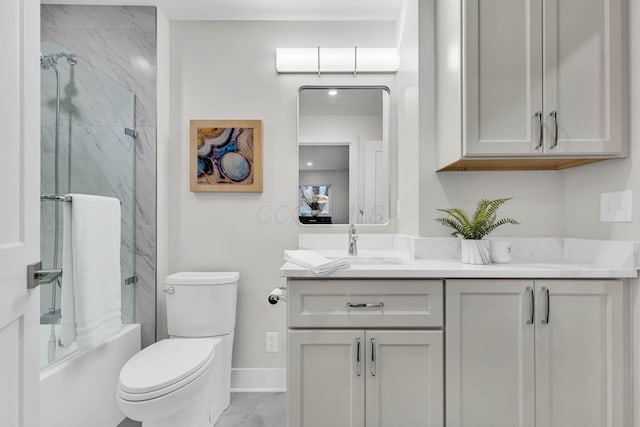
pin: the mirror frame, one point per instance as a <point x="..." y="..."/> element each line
<point x="390" y="144"/>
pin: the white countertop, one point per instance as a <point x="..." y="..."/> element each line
<point x="450" y="269"/>
<point x="532" y="258"/>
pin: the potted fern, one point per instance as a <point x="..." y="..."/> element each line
<point x="475" y="250"/>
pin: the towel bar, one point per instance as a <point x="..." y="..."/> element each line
<point x="60" y="198"/>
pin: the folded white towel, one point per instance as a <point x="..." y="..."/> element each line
<point x="315" y="262"/>
<point x="68" y="304"/>
<point x="92" y="282"/>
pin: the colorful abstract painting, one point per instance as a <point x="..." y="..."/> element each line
<point x="226" y="155"/>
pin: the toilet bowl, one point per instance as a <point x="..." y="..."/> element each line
<point x="185" y="380"/>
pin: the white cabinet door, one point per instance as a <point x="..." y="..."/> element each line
<point x="326" y="378"/>
<point x="584" y="76"/>
<point x="503" y="77"/>
<point x="19" y="211"/>
<point x="489" y="353"/>
<point x="404" y="379"/>
<point x="580" y="354"/>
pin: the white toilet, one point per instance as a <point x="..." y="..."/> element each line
<point x="185" y="380"/>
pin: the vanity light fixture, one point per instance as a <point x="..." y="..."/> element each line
<point x="337" y="60"/>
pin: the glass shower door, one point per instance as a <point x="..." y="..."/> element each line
<point x="92" y="155"/>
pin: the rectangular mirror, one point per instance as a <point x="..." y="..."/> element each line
<point x="343" y="155"/>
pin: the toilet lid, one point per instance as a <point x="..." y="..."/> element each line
<point x="165" y="363"/>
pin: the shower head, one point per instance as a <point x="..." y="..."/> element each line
<point x="71" y="59"/>
<point x="47" y="62"/>
<point x="50" y="61"/>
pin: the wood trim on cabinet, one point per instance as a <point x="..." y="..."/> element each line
<point x="510" y="164"/>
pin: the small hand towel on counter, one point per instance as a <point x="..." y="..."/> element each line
<point x="315" y="262"/>
<point x="92" y="268"/>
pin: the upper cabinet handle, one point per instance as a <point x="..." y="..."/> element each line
<point x="554" y="116"/>
<point x="538" y="116"/>
<point x="532" y="307"/>
<point x="547" y="307"/>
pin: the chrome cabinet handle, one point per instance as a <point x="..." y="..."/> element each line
<point x="532" y="307"/>
<point x="358" y="369"/>
<point x="554" y="116"/>
<point x="547" y="307"/>
<point x="169" y="290"/>
<point x="538" y="116"/>
<point x="373" y="357"/>
<point x="363" y="305"/>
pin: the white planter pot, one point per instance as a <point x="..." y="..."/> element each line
<point x="475" y="252"/>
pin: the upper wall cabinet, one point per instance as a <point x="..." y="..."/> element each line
<point x="538" y="84"/>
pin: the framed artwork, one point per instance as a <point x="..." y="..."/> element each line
<point x="226" y="155"/>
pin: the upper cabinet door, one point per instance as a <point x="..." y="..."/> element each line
<point x="585" y="75"/>
<point x="503" y="77"/>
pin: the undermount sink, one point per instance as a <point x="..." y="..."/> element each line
<point x="370" y="260"/>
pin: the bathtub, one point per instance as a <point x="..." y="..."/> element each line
<point x="80" y="390"/>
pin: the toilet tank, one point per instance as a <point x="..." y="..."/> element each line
<point x="201" y="304"/>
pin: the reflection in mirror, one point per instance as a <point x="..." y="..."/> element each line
<point x="343" y="155"/>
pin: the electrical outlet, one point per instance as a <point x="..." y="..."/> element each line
<point x="615" y="206"/>
<point x="272" y="342"/>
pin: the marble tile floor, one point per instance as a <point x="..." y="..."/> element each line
<point x="247" y="410"/>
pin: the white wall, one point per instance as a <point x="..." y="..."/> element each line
<point x="226" y="70"/>
<point x="162" y="168"/>
<point x="408" y="119"/>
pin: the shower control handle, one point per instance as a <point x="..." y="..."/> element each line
<point x="169" y="290"/>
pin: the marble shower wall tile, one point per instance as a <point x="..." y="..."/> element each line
<point x="145" y="175"/>
<point x="145" y="289"/>
<point x="119" y="41"/>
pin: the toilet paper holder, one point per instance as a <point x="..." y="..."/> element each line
<point x="277" y="294"/>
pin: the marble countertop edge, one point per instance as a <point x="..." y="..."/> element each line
<point x="448" y="269"/>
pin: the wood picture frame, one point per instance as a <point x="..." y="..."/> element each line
<point x="225" y="155"/>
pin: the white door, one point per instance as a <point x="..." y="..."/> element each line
<point x="503" y="77"/>
<point x="405" y="375"/>
<point x="374" y="201"/>
<point x="580" y="354"/>
<point x="326" y="378"/>
<point x="19" y="210"/>
<point x="490" y="353"/>
<point x="584" y="75"/>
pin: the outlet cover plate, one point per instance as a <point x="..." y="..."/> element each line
<point x="615" y="206"/>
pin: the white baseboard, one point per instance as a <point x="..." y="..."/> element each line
<point x="258" y="380"/>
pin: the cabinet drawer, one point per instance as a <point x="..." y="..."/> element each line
<point x="365" y="303"/>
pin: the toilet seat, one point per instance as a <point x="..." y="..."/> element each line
<point x="165" y="367"/>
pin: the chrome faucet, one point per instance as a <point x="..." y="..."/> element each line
<point x="353" y="241"/>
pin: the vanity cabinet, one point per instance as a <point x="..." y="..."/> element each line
<point x="354" y="362"/>
<point x="538" y="353"/>
<point x="527" y="85"/>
